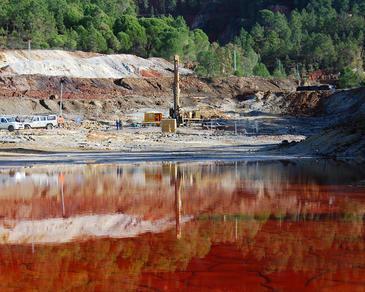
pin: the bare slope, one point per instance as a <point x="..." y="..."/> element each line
<point x="81" y="64"/>
<point x="344" y="113"/>
<point x="27" y="94"/>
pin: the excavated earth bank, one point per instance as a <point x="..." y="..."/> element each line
<point x="106" y="87"/>
<point x="94" y="97"/>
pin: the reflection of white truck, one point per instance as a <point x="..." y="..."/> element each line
<point x="10" y="123"/>
<point x="47" y="122"/>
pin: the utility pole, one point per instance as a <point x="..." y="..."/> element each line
<point x="176" y="90"/>
<point x="298" y="75"/>
<point x="29" y="48"/>
<point x="61" y="96"/>
<point x="29" y="52"/>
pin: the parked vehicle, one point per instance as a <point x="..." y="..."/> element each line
<point x="47" y="122"/>
<point x="10" y="123"/>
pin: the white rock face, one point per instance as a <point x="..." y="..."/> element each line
<point x="81" y="64"/>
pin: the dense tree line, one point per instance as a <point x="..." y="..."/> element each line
<point x="260" y="37"/>
<point x="106" y="26"/>
<point x="325" y="34"/>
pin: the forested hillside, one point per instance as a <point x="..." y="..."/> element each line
<point x="267" y="37"/>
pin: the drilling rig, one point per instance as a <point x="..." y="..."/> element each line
<point x="175" y="111"/>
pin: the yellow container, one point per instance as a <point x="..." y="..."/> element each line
<point x="152" y="117"/>
<point x="149" y="117"/>
<point x="168" y="126"/>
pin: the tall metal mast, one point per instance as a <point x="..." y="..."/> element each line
<point x="176" y="89"/>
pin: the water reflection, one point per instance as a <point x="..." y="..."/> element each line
<point x="224" y="226"/>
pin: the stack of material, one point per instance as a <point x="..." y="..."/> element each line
<point x="169" y="126"/>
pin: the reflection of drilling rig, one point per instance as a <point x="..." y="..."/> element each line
<point x="176" y="180"/>
<point x="175" y="111"/>
<point x="178" y="202"/>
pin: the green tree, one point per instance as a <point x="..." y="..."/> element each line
<point x="32" y="20"/>
<point x="261" y="70"/>
<point x="73" y="15"/>
<point x="3" y="38"/>
<point x="250" y="60"/>
<point x="71" y="39"/>
<point x="91" y="39"/>
<point x="131" y="33"/>
<point x="155" y="29"/>
<point x="208" y="63"/>
<point x="125" y="42"/>
<point x="350" y="78"/>
<point x="279" y="71"/>
<point x="319" y="50"/>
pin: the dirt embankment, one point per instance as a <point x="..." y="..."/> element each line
<point x="341" y="141"/>
<point x="43" y="87"/>
<point x="94" y="97"/>
<point x="292" y="103"/>
<point x="97" y="84"/>
<point x="344" y="136"/>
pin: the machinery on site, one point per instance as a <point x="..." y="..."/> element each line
<point x="177" y="117"/>
<point x="181" y="117"/>
<point x="175" y="112"/>
<point x="322" y="87"/>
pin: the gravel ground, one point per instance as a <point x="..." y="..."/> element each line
<point x="136" y="139"/>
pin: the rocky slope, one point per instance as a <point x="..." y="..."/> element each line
<point x="87" y="97"/>
<point x="344" y="136"/>
<point x="81" y="64"/>
<point x="90" y="97"/>
<point x="97" y="84"/>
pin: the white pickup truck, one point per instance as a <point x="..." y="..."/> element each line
<point x="10" y="124"/>
<point x="35" y="122"/>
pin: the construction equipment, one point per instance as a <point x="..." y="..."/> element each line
<point x="322" y="87"/>
<point x="176" y="112"/>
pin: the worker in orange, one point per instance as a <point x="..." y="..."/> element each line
<point x="61" y="121"/>
<point x="61" y="178"/>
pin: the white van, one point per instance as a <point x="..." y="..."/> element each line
<point x="47" y="122"/>
<point x="10" y="124"/>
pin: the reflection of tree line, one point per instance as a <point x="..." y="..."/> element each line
<point x="273" y="246"/>
<point x="212" y="188"/>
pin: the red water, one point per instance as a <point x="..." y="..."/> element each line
<point x="251" y="226"/>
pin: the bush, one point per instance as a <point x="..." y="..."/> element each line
<point x="261" y="70"/>
<point x="350" y="78"/>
